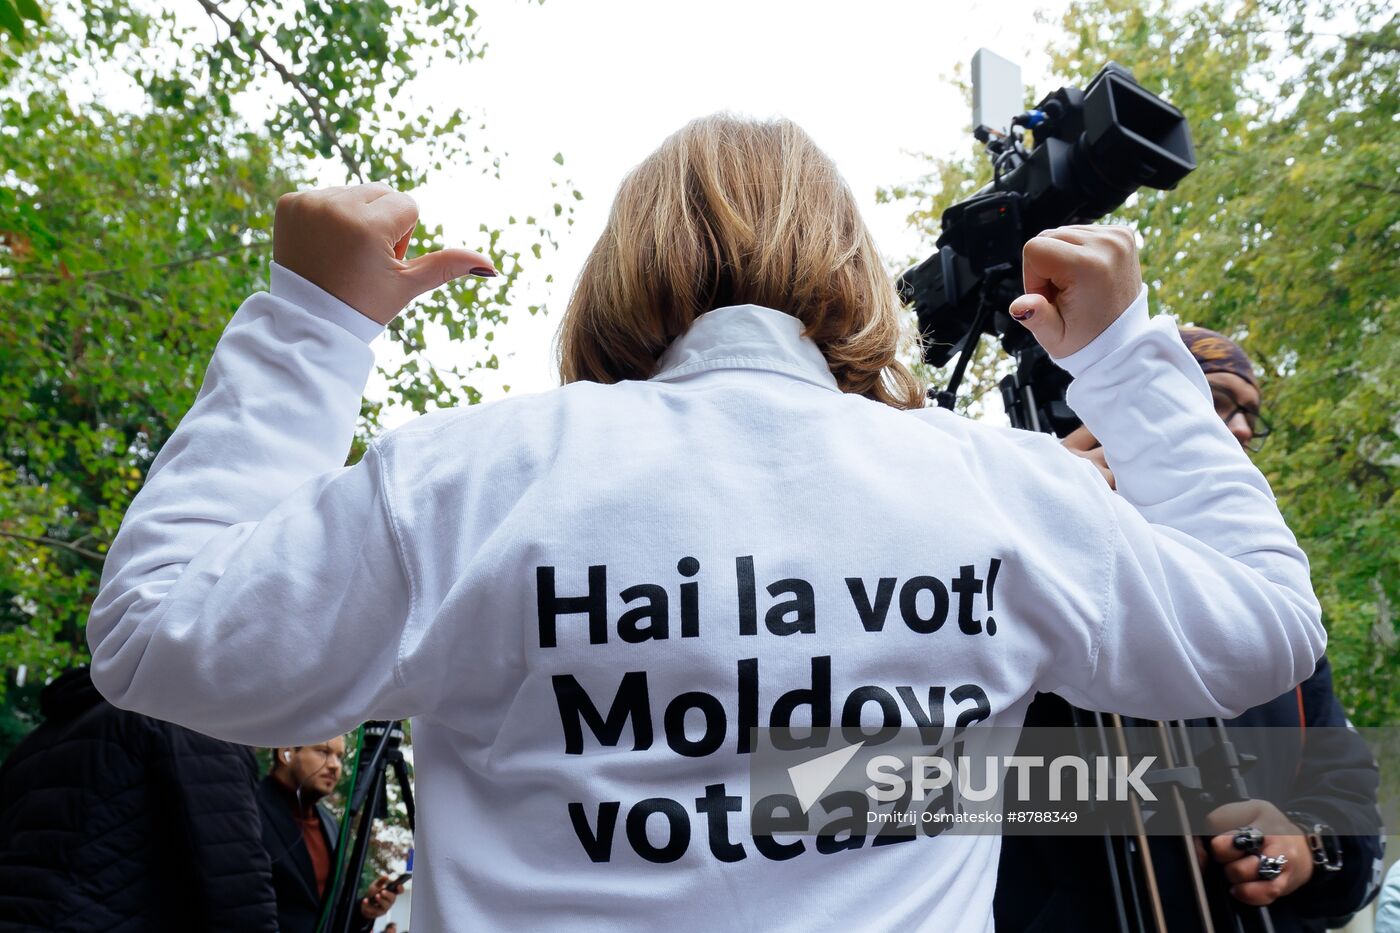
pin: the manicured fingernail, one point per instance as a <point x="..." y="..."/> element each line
<point x="1025" y="315"/>
<point x="486" y="272"/>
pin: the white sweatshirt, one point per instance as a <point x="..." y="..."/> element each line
<point x="677" y="553"/>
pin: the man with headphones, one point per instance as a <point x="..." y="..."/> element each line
<point x="300" y="834"/>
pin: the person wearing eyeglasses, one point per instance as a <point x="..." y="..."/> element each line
<point x="1323" y="876"/>
<point x="300" y="835"/>
<point x="1234" y="390"/>
<point x="1232" y="384"/>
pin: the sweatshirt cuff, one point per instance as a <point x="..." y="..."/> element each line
<point x="320" y="303"/>
<point x="1129" y="325"/>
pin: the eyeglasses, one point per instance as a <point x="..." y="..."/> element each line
<point x="1227" y="407"/>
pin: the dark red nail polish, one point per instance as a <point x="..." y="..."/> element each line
<point x="1025" y="316"/>
<point x="486" y="272"/>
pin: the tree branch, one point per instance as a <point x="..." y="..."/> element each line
<point x="236" y="29"/>
<point x="118" y="270"/>
<point x="130" y="299"/>
<point x="55" y="543"/>
<point x="1370" y="187"/>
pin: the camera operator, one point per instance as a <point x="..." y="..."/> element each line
<point x="301" y="834"/>
<point x="590" y="595"/>
<point x="1042" y="884"/>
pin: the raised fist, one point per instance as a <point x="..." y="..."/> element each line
<point x="1078" y="280"/>
<point x="351" y="241"/>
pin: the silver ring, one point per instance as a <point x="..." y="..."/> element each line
<point x="1248" y="840"/>
<point x="1271" y="866"/>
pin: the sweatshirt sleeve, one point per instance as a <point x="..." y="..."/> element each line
<point x="256" y="591"/>
<point x="1207" y="606"/>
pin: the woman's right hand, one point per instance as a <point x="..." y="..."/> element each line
<point x="1083" y="444"/>
<point x="1078" y="280"/>
<point x="353" y="243"/>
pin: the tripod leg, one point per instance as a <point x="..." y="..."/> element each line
<point x="348" y="895"/>
<point x="405" y="787"/>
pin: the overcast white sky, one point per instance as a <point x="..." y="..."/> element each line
<point x="604" y="81"/>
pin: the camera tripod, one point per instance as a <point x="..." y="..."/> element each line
<point x="368" y="799"/>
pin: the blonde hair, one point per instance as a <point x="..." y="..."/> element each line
<point x="732" y="211"/>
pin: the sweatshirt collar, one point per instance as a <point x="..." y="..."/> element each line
<point x="745" y="337"/>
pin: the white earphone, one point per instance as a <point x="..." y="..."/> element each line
<point x="286" y="756"/>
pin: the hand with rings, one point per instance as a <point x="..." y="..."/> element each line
<point x="1271" y="866"/>
<point x="1264" y="854"/>
<point x="1248" y="840"/>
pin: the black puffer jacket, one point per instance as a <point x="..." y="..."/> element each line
<point x="113" y="821"/>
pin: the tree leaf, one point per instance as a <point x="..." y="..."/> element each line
<point x="10" y="20"/>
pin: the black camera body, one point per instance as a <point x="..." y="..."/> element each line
<point x="1092" y="149"/>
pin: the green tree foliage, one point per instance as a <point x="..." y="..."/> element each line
<point x="1284" y="238"/>
<point x="142" y="150"/>
<point x="13" y="14"/>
